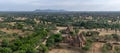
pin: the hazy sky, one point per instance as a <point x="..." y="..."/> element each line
<point x="73" y="5"/>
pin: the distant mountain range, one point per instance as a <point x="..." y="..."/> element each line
<point x="49" y="10"/>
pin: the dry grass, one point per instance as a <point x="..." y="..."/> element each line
<point x="12" y="23"/>
<point x="21" y="18"/>
<point x="10" y="31"/>
<point x="61" y="28"/>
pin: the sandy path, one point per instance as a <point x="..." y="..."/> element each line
<point x="61" y="28"/>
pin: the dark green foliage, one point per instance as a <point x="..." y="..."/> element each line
<point x="5" y="50"/>
<point x="116" y="37"/>
<point x="20" y="51"/>
<point x="28" y="48"/>
<point x="108" y="37"/>
<point x="92" y="33"/>
<point x="76" y="30"/>
<point x="117" y="49"/>
<point x="19" y="25"/>
<point x="5" y="43"/>
<point x="53" y="39"/>
<point x="43" y="49"/>
<point x="63" y="31"/>
<point x="72" y="33"/>
<point x="26" y="44"/>
<point x="106" y="48"/>
<point x="87" y="45"/>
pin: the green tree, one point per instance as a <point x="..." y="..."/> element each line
<point x="43" y="49"/>
<point x="5" y="43"/>
<point x="5" y="50"/>
<point x="53" y="39"/>
<point x="20" y="51"/>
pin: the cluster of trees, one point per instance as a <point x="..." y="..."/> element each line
<point x="93" y="25"/>
<point x="63" y="19"/>
<point x="53" y="40"/>
<point x="91" y="35"/>
<point x="88" y="45"/>
<point x="106" y="48"/>
<point x="117" y="49"/>
<point x="114" y="37"/>
<point x="29" y="43"/>
<point x="24" y="44"/>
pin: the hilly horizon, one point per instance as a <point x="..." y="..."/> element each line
<point x="49" y="10"/>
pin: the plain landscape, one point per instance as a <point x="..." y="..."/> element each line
<point x="59" y="32"/>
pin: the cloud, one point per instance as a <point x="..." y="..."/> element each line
<point x="78" y="5"/>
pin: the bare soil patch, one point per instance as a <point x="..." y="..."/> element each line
<point x="10" y="31"/>
<point x="61" y="28"/>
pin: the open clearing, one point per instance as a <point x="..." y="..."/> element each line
<point x="10" y="31"/>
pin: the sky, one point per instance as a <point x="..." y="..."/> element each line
<point x="70" y="5"/>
